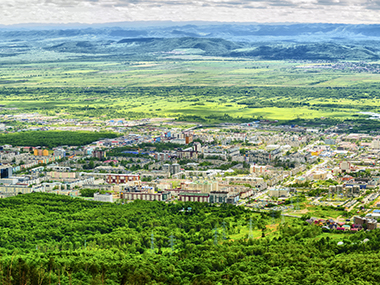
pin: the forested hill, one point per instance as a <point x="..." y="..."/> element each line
<point x="311" y="51"/>
<point x="277" y="42"/>
<point x="50" y="239"/>
<point x="230" y="31"/>
<point x="144" y="46"/>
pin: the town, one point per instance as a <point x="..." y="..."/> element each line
<point x="327" y="178"/>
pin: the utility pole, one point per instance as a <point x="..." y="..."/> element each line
<point x="224" y="233"/>
<point x="216" y="236"/>
<point x="250" y="235"/>
<point x="171" y="241"/>
<point x="152" y="242"/>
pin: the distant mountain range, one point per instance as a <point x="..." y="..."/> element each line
<point x="287" y="41"/>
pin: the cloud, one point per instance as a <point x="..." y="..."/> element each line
<point x="373" y="4"/>
<point x="102" y="11"/>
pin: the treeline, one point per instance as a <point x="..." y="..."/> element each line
<point x="52" y="139"/>
<point x="50" y="239"/>
<point x="357" y="125"/>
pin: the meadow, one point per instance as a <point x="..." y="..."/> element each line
<point x="200" y="90"/>
<point x="182" y="71"/>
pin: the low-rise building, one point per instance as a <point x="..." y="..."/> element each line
<point x="122" y="178"/>
<point x="194" y="197"/>
<point x="15" y="189"/>
<point x="218" y="197"/>
<point x="233" y="199"/>
<point x="320" y="175"/>
<point x="108" y="197"/>
<point x="369" y="221"/>
<point x="279" y="192"/>
<point x="259" y="169"/>
<point x="257" y="182"/>
<point x="160" y="196"/>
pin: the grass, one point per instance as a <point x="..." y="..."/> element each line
<point x="271" y="228"/>
<point x="204" y="88"/>
<point x="173" y="102"/>
<point x="198" y="72"/>
<point x="317" y="211"/>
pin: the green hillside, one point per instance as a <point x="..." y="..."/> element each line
<point x="50" y="239"/>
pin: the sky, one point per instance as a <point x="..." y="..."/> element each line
<point x="261" y="11"/>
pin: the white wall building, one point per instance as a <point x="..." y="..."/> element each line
<point x="103" y="197"/>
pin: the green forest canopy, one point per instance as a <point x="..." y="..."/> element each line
<point x="52" y="139"/>
<point x="46" y="239"/>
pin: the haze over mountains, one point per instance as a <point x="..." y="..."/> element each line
<point x="278" y="42"/>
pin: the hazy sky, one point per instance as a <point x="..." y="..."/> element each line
<point x="102" y="11"/>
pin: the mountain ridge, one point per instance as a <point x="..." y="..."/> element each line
<point x="273" y="42"/>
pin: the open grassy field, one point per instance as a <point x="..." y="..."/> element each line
<point x="180" y="72"/>
<point x="207" y="90"/>
<point x="322" y="212"/>
<point x="198" y="104"/>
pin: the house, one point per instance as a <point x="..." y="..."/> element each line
<point x="333" y="226"/>
<point x="357" y="226"/>
<point x="325" y="229"/>
<point x="346" y="227"/>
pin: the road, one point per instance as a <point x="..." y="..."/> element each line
<point x="257" y="195"/>
<point x="314" y="168"/>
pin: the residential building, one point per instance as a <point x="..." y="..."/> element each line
<point x="368" y="220"/>
<point x="5" y="171"/>
<point x="121" y="178"/>
<point x="15" y="189"/>
<point x="218" y="197"/>
<point x="99" y="154"/>
<point x="175" y="168"/>
<point x="257" y="182"/>
<point x="279" y="192"/>
<point x="264" y="157"/>
<point x="60" y="152"/>
<point x="103" y="197"/>
<point x="194" y="197"/>
<point x="160" y="196"/>
<point x="259" y="169"/>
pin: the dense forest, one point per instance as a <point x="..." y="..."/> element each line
<point x="50" y="239"/>
<point x="52" y="139"/>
